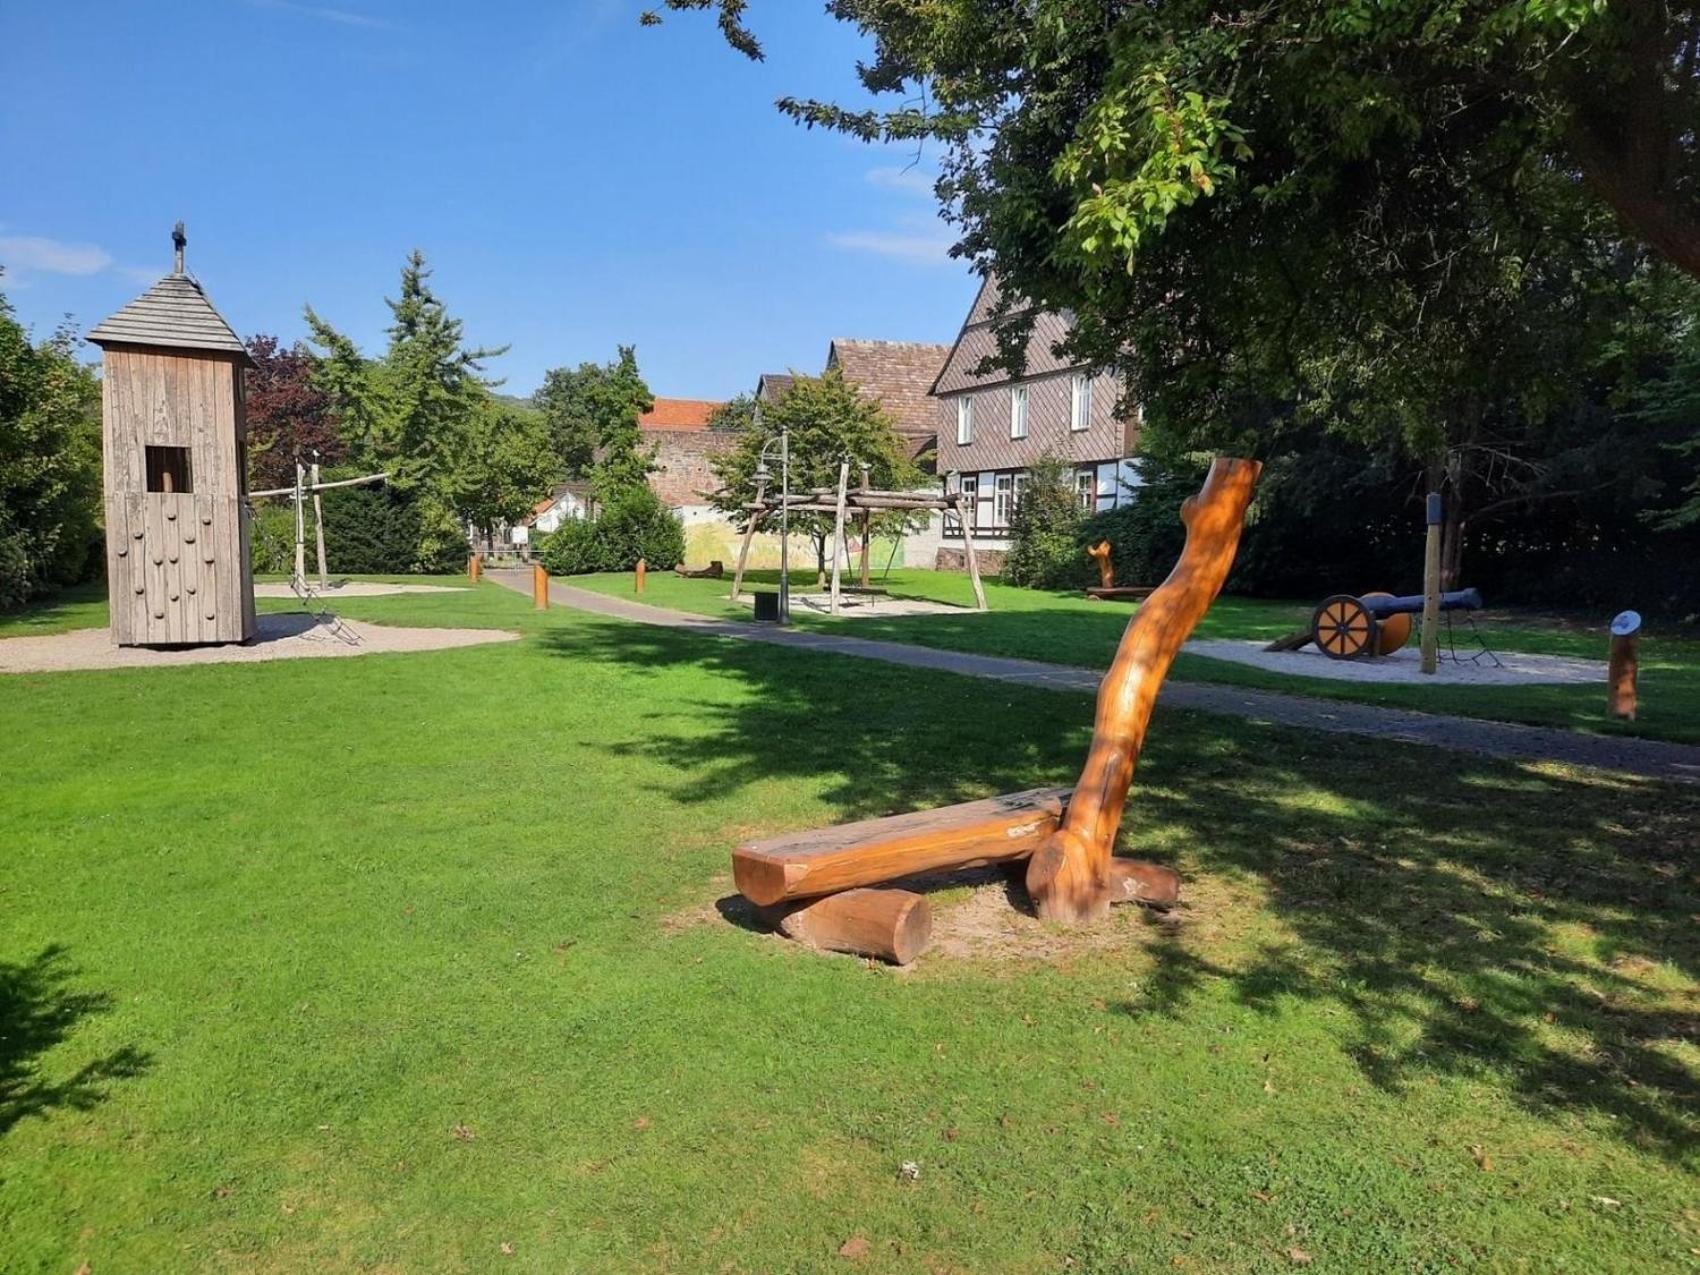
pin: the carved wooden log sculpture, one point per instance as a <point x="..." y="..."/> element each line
<point x="1069" y="876"/>
<point x="1100" y="553"/>
<point x="893" y="925"/>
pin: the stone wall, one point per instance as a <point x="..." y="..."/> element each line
<point x="990" y="561"/>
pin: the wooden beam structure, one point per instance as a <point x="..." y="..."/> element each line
<point x="844" y="504"/>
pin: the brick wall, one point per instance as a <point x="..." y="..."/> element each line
<point x="990" y="561"/>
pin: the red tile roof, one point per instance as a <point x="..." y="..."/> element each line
<point x="679" y="413"/>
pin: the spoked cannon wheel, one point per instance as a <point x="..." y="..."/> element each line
<point x="1344" y="627"/>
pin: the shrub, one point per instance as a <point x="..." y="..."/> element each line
<point x="271" y="539"/>
<point x="1045" y="550"/>
<point x="633" y="524"/>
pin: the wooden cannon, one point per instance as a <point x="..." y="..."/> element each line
<point x="1348" y="627"/>
<point x="815" y="885"/>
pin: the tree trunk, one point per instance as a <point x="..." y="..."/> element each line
<point x="1069" y="877"/>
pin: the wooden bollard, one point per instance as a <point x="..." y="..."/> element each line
<point x="642" y="571"/>
<point x="1624" y="666"/>
<point x="475" y="567"/>
<point x="539" y="587"/>
<point x="893" y="925"/>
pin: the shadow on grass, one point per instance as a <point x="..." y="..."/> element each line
<point x="1530" y="929"/>
<point x="38" y="1010"/>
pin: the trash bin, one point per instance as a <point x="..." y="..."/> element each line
<point x="767" y="607"/>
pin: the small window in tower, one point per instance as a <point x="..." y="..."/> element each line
<point x="169" y="469"/>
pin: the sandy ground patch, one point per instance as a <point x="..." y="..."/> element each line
<point x="1520" y="668"/>
<point x="979" y="914"/>
<point x="351" y="589"/>
<point x="865" y="606"/>
<point x="291" y="636"/>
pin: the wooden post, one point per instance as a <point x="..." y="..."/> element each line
<point x="474" y="567"/>
<point x="838" y="531"/>
<point x="539" y="586"/>
<point x="867" y="532"/>
<point x="641" y="574"/>
<point x="319" y="528"/>
<point x="893" y="925"/>
<point x="300" y="530"/>
<point x="1100" y="553"/>
<point x="756" y="513"/>
<point x="1624" y="666"/>
<point x="1431" y="587"/>
<point x="1069" y="877"/>
<point x="968" y="552"/>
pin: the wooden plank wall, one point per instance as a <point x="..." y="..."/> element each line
<point x="178" y="570"/>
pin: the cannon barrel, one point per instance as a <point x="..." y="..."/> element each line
<point x="1458" y="600"/>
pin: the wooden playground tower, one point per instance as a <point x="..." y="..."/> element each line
<point x="814" y="886"/>
<point x="174" y="440"/>
<point x="859" y="505"/>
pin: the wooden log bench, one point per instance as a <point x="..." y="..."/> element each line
<point x="803" y="865"/>
<point x="824" y="861"/>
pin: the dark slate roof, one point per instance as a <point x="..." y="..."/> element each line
<point x="173" y="313"/>
<point x="899" y="375"/>
<point x="978" y="342"/>
<point x="772" y="386"/>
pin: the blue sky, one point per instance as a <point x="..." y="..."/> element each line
<point x="576" y="180"/>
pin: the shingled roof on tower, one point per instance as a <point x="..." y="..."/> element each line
<point x="173" y="313"/>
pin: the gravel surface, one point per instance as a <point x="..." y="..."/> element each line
<point x="1518" y="668"/>
<point x="291" y="636"/>
<point x="351" y="589"/>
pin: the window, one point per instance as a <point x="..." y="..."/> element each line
<point x="1086" y="487"/>
<point x="1020" y="489"/>
<point x="1002" y="500"/>
<point x="1018" y="412"/>
<point x="1080" y="402"/>
<point x="169" y="469"/>
<point x="969" y="500"/>
<point x="965" y="420"/>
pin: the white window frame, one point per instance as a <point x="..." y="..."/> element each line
<point x="971" y="498"/>
<point x="1086" y="489"/>
<point x="965" y="421"/>
<point x="1080" y="402"/>
<point x="1018" y="411"/>
<point x="1003" y="499"/>
<point x="1018" y="489"/>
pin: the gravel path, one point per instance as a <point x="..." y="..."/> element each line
<point x="287" y="636"/>
<point x="1649" y="758"/>
<point x="351" y="589"/>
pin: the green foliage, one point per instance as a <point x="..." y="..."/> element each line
<point x="735" y="414"/>
<point x="271" y="537"/>
<point x="592" y="411"/>
<point x="50" y="489"/>
<point x="418" y="412"/>
<point x="507" y="463"/>
<point x="380" y="531"/>
<point x="1424" y="228"/>
<point x="1045" y="550"/>
<point x="633" y="524"/>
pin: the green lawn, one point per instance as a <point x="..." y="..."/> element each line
<point x="413" y="962"/>
<point x="1067" y="628"/>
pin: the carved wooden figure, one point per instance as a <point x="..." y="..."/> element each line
<point x="175" y="447"/>
<point x="1100" y="553"/>
<point x="1069" y="876"/>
